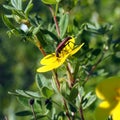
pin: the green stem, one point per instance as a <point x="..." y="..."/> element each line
<point x="56" y="9"/>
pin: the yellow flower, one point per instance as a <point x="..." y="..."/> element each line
<point x="109" y="92"/>
<point x="53" y="61"/>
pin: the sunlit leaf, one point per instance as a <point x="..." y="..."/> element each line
<point x="24" y="101"/>
<point x="17" y="4"/>
<point x="33" y="94"/>
<point x="88" y="100"/>
<point x="7" y="22"/>
<point x="28" y="8"/>
<point x="8" y="7"/>
<point x="36" y="30"/>
<point x="22" y="93"/>
<point x="49" y="1"/>
<point x="47" y="92"/>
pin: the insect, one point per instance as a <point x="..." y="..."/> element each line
<point x="62" y="45"/>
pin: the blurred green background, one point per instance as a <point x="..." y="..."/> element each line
<point x="19" y="59"/>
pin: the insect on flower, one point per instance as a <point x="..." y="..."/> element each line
<point x="54" y="60"/>
<point x="62" y="45"/>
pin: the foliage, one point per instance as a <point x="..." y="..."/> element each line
<point x="68" y="91"/>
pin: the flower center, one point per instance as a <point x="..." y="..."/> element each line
<point x="117" y="97"/>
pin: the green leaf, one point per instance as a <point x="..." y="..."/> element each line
<point x="17" y="4"/>
<point x="8" y="7"/>
<point x="95" y="30"/>
<point x="39" y="117"/>
<point x="49" y="1"/>
<point x="22" y="93"/>
<point x="81" y="91"/>
<point x="42" y="81"/>
<point x="47" y="92"/>
<point x="7" y="22"/>
<point x="23" y="101"/>
<point x="13" y="93"/>
<point x="73" y="93"/>
<point x="28" y="8"/>
<point x="65" y="90"/>
<point x="39" y="81"/>
<point x="63" y="24"/>
<point x="19" y="13"/>
<point x="36" y="30"/>
<point x="33" y="94"/>
<point x="24" y="113"/>
<point x="51" y="34"/>
<point x="88" y="100"/>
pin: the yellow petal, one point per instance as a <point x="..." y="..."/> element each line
<point x="53" y="65"/>
<point x="76" y="49"/>
<point x="116" y="112"/>
<point x="48" y="59"/>
<point x="45" y="68"/>
<point x="107" y="89"/>
<point x="102" y="112"/>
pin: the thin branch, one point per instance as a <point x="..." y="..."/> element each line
<point x="55" y="20"/>
<point x="80" y="108"/>
<point x="93" y="68"/>
<point x="38" y="44"/>
<point x="81" y="112"/>
<point x="31" y="102"/>
<point x="67" y="111"/>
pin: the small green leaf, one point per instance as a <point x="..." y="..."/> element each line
<point x="36" y="30"/>
<point x="22" y="93"/>
<point x="39" y="81"/>
<point x="88" y="100"/>
<point x="8" y="7"/>
<point x="47" y="92"/>
<point x="73" y="93"/>
<point x="65" y="90"/>
<point x="33" y="94"/>
<point x="28" y="8"/>
<point x="24" y="113"/>
<point x="17" y="4"/>
<point x="23" y="101"/>
<point x="19" y="13"/>
<point x="63" y="24"/>
<point x="42" y="81"/>
<point x="49" y="1"/>
<point x="7" y="22"/>
<point x="13" y="93"/>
